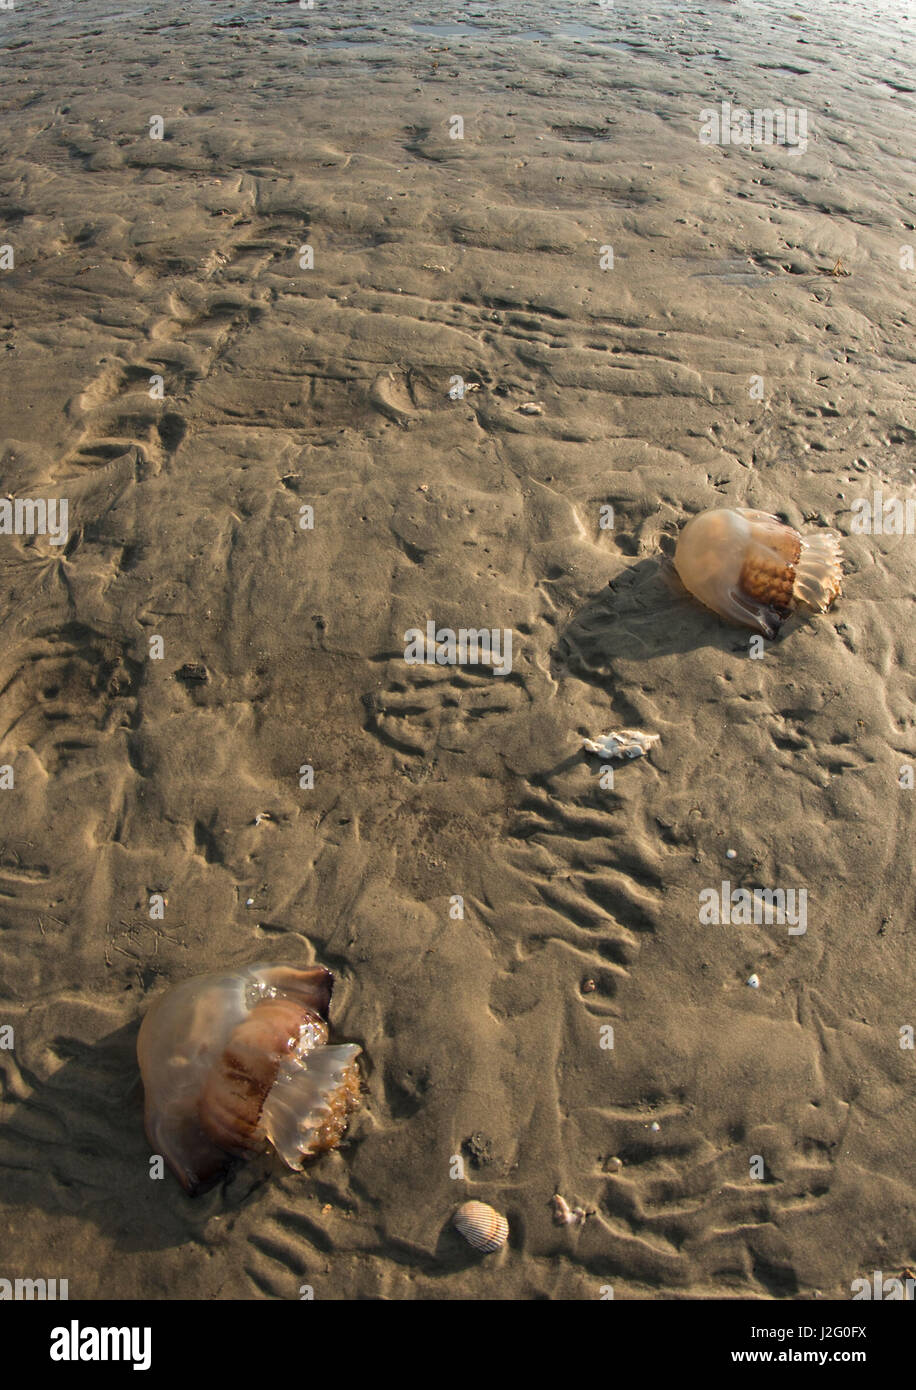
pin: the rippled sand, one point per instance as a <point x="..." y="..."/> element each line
<point x="332" y="387"/>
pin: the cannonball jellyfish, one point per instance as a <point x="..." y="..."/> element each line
<point x="752" y="569"/>
<point x="237" y="1061"/>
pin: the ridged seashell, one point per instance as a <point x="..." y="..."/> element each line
<point x="231" y="1062"/>
<point x="752" y="569"/>
<point x="482" y="1226"/>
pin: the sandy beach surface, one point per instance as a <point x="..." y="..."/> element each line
<point x="193" y="381"/>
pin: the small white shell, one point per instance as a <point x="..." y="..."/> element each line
<point x="622" y="743"/>
<point x="565" y="1215"/>
<point x="482" y="1226"/>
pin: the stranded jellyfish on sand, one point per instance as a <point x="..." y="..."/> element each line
<point x="752" y="569"/>
<point x="236" y="1061"/>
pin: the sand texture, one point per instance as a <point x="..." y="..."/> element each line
<point x="332" y="388"/>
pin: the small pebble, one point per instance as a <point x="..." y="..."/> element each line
<point x="753" y="981"/>
<point x="655" y="1126"/>
<point x="731" y="854"/>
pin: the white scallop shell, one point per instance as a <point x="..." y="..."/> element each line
<point x="482" y="1226"/>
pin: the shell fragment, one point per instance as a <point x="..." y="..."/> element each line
<point x="622" y="743"/>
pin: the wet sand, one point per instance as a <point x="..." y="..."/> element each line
<point x="332" y="388"/>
